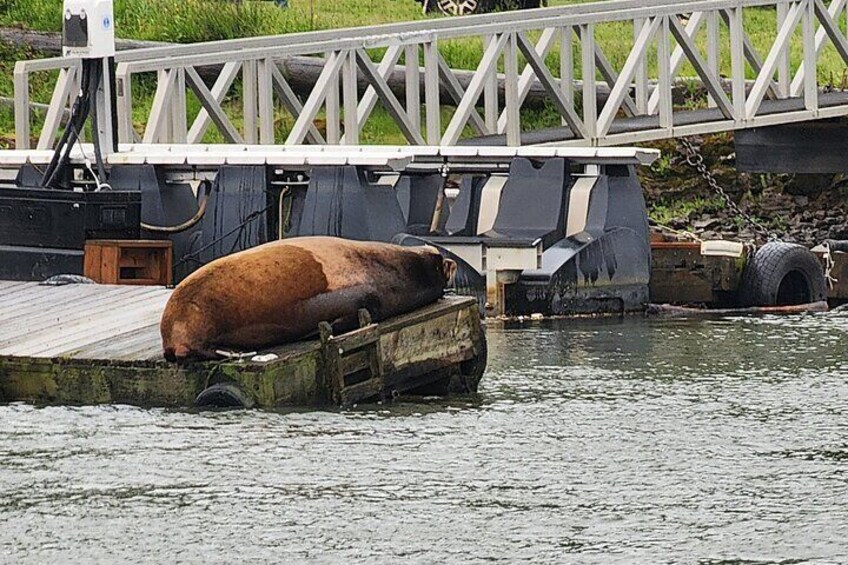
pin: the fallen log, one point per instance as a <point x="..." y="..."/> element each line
<point x="668" y="310"/>
<point x="10" y="103"/>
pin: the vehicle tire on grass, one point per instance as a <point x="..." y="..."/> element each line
<point x="782" y="274"/>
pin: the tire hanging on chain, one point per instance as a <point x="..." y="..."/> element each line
<point x="782" y="274"/>
<point x="776" y="274"/>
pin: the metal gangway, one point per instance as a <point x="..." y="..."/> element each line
<point x="561" y="49"/>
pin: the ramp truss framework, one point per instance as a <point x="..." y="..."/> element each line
<point x="518" y="49"/>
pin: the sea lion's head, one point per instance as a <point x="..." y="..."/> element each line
<point x="445" y="268"/>
<point x="186" y="332"/>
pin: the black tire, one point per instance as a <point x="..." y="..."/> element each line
<point x="223" y="395"/>
<point x="782" y="274"/>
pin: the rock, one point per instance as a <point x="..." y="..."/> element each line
<point x="704" y="224"/>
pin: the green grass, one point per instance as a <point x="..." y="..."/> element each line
<point x="204" y="20"/>
<point x="208" y="20"/>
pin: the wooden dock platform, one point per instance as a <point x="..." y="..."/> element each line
<point x="94" y="343"/>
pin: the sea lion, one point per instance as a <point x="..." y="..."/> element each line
<point x="279" y="292"/>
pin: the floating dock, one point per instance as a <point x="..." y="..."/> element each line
<point x="97" y="344"/>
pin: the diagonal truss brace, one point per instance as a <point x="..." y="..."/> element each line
<point x="711" y="81"/>
<point x="549" y="83"/>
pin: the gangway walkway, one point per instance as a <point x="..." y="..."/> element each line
<point x="707" y="39"/>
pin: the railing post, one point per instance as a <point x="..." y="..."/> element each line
<point x="351" y="99"/>
<point x="490" y="94"/>
<point x="641" y="77"/>
<point x="413" y="86"/>
<point x="590" y="96"/>
<point x="712" y="49"/>
<point x="123" y="84"/>
<point x="737" y="62"/>
<point x="266" y="102"/>
<point x="249" y="84"/>
<point x="513" y="113"/>
<point x="431" y="92"/>
<point x="179" y="128"/>
<point x="331" y="112"/>
<point x="566" y="68"/>
<point x="22" y="126"/>
<point x="811" y="90"/>
<point x="783" y="76"/>
<point x="664" y="75"/>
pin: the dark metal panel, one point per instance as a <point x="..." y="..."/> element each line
<point x="805" y="147"/>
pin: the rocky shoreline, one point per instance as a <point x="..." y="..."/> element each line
<point x="805" y="209"/>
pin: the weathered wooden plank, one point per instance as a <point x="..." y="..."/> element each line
<point x="356" y="339"/>
<point x="96" y="329"/>
<point x="439" y="308"/>
<point x="7" y="286"/>
<point x="103" y="320"/>
<point x="355" y="362"/>
<point x="437" y="337"/>
<point x="48" y="323"/>
<point x="361" y="391"/>
<point x="44" y="310"/>
<point x="15" y="295"/>
<point x="125" y="345"/>
<point x="58" y="297"/>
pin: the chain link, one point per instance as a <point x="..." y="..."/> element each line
<point x="696" y="160"/>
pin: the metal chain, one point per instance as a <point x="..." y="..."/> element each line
<point x="696" y="160"/>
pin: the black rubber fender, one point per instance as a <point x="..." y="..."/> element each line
<point x="782" y="274"/>
<point x="836" y="244"/>
<point x="223" y="395"/>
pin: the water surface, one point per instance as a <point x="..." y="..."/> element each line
<point x="634" y="441"/>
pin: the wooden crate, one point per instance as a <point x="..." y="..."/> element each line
<point x="119" y="261"/>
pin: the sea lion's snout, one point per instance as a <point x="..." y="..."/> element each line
<point x="177" y="354"/>
<point x="449" y="270"/>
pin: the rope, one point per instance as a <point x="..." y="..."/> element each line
<point x="248" y="219"/>
<point x="681" y="233"/>
<point x="828" y="266"/>
<point x="95" y="176"/>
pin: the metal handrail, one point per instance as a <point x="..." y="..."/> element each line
<point x="346" y="61"/>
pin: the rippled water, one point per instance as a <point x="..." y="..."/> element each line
<point x="700" y="441"/>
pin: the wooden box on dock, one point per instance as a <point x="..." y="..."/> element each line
<point x="118" y="261"/>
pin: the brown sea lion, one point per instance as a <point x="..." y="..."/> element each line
<point x="278" y="292"/>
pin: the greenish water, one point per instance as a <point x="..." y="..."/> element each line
<point x="677" y="441"/>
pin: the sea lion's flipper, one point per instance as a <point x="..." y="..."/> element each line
<point x="340" y="308"/>
<point x="368" y="300"/>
